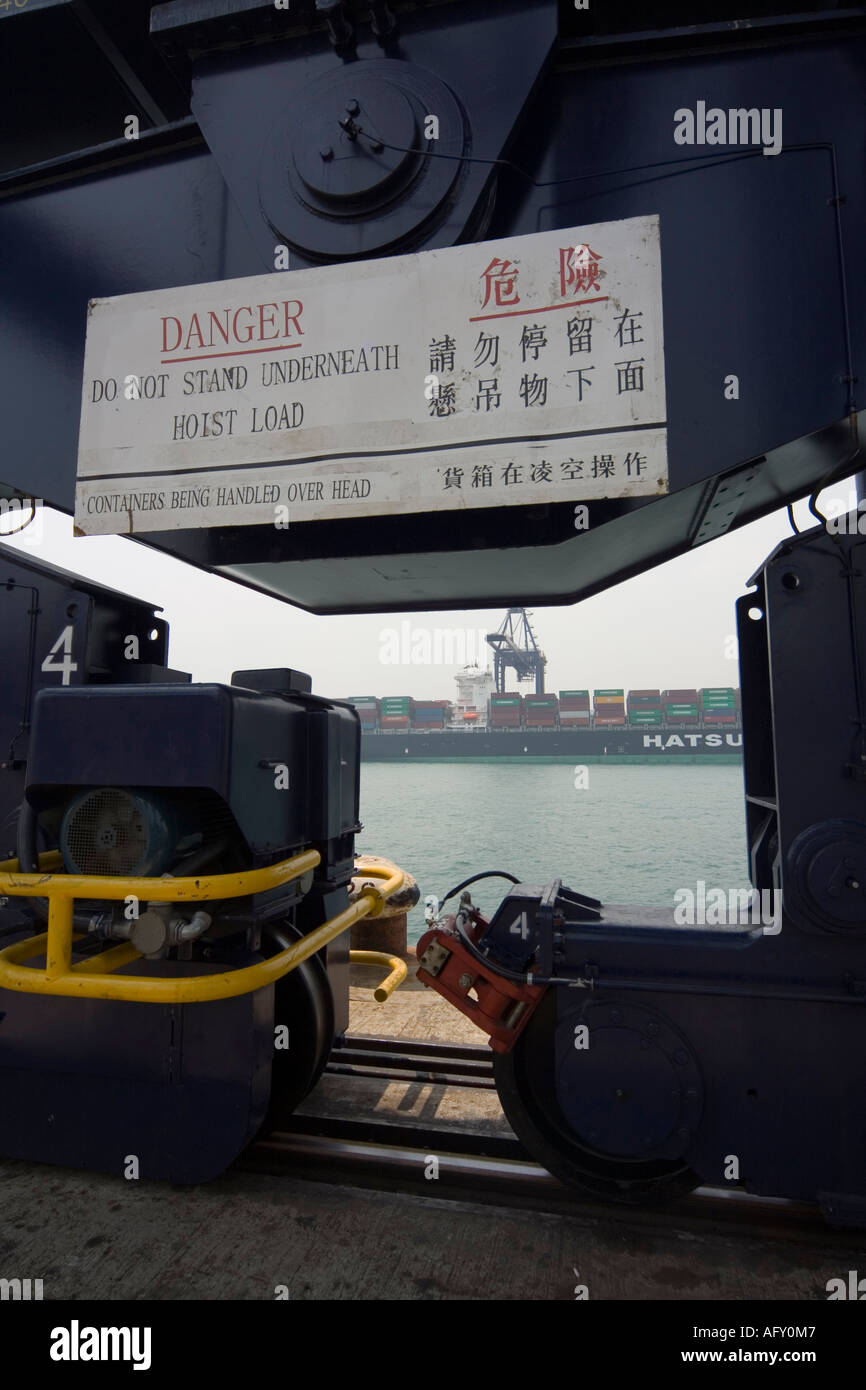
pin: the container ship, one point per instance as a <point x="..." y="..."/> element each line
<point x="592" y="726"/>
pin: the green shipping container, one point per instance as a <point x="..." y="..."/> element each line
<point x="610" y="692"/>
<point x="681" y="709"/>
<point x="647" y="716"/>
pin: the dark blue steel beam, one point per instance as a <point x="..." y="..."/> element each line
<point x="755" y="254"/>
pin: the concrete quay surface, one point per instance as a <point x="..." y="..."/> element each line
<point x="251" y="1235"/>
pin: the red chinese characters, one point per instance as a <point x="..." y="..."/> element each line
<point x="578" y="269"/>
<point x="500" y="280"/>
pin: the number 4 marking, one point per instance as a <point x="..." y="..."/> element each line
<point x="62" y="648"/>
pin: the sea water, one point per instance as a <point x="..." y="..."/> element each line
<point x="633" y="834"/>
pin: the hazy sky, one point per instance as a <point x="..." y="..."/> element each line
<point x="667" y="628"/>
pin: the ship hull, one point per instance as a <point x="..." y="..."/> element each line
<point x="555" y="745"/>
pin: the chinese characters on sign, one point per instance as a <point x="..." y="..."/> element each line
<point x="501" y="373"/>
<point x="628" y="464"/>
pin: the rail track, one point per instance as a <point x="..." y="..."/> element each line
<point x="368" y="1150"/>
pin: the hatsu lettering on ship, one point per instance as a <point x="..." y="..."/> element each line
<point x="692" y="740"/>
<point x="238" y="329"/>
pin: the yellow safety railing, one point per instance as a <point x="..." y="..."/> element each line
<point x="93" y="978"/>
<point x="396" y="966"/>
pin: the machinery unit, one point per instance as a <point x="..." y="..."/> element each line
<point x="137" y="787"/>
<point x="641" y="1052"/>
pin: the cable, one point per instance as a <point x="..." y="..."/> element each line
<point x="492" y="873"/>
<point x="834" y="475"/>
<point x="28" y="863"/>
<point x="699" y="159"/>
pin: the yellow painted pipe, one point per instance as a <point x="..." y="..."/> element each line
<point x="92" y="979"/>
<point x="203" y="888"/>
<point x="393" y="880"/>
<point x="396" y="965"/>
<point x="190" y="989"/>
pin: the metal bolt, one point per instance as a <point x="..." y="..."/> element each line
<point x="353" y="107"/>
<point x="377" y="147"/>
<point x="465" y="981"/>
<point x="852" y="883"/>
<point x="326" y="152"/>
<point x="652" y="1030"/>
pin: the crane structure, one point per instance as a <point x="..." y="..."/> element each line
<point x="515" y="648"/>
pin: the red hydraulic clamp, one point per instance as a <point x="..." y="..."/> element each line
<point x="502" y="1007"/>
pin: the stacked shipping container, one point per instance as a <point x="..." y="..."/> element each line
<point x="712" y="707"/>
<point x="368" y="711"/>
<point x="609" y="707"/>
<point x="644" y="707"/>
<point x="718" y="705"/>
<point x="505" y="711"/>
<point x="574" y="710"/>
<point x="431" y="714"/>
<point x="680" y="706"/>
<point x="540" y="711"/>
<point x="396" y="712"/>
